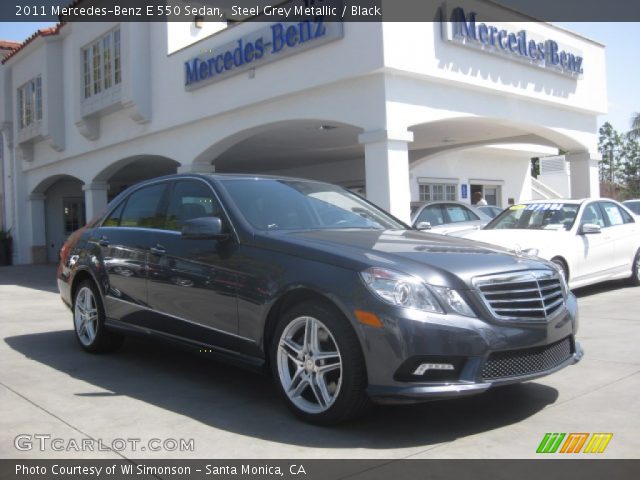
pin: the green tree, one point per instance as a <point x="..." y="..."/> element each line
<point x="610" y="145"/>
<point x="635" y="125"/>
<point x="631" y="166"/>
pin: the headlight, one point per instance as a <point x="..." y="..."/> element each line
<point x="407" y="291"/>
<point x="400" y="289"/>
<point x="454" y="300"/>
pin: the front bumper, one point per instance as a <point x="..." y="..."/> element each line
<point x="419" y="393"/>
<point x="470" y="344"/>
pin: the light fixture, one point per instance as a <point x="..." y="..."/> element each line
<point x="432" y="366"/>
<point x="198" y="21"/>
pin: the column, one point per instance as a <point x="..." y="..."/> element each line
<point x="584" y="179"/>
<point x="37" y="226"/>
<point x="95" y="199"/>
<point x="387" y="170"/>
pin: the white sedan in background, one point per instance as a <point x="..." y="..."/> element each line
<point x="589" y="241"/>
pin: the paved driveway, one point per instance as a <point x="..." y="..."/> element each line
<point x="153" y="391"/>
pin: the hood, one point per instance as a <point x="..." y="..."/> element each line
<point x="439" y="259"/>
<point x="513" y="238"/>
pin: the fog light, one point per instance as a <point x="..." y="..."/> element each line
<point x="422" y="368"/>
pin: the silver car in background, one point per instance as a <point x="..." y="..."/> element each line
<point x="446" y="217"/>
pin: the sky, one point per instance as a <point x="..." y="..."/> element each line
<point x="622" y="57"/>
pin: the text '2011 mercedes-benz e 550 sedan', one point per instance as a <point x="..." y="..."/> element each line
<point x="343" y="303"/>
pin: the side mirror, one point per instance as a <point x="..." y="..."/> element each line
<point x="589" y="228"/>
<point x="423" y="226"/>
<point x="203" y="228"/>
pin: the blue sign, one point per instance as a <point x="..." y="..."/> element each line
<point x="259" y="47"/>
<point x="519" y="45"/>
<point x="464" y="192"/>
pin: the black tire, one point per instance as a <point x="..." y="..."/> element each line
<point x="634" y="279"/>
<point x="562" y="266"/>
<point x="103" y="340"/>
<point x="350" y="400"/>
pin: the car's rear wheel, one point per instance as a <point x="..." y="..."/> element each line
<point x="88" y="321"/>
<point x="317" y="362"/>
<point x="634" y="279"/>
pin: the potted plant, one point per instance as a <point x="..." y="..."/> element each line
<point x="5" y="247"/>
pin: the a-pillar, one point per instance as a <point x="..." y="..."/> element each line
<point x="95" y="199"/>
<point x="585" y="181"/>
<point x="386" y="156"/>
<point x="37" y="226"/>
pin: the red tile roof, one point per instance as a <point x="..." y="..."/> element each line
<point x="43" y="32"/>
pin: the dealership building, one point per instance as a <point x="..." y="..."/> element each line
<point x="399" y="112"/>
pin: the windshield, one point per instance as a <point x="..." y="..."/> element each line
<point x="300" y="205"/>
<point x="536" y="216"/>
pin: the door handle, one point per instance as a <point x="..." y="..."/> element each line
<point x="104" y="241"/>
<point x="158" y="250"/>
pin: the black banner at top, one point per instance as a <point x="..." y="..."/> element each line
<point x="301" y="10"/>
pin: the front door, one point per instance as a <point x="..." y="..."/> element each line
<point x="594" y="250"/>
<point x="192" y="284"/>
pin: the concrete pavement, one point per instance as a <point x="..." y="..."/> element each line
<point x="48" y="385"/>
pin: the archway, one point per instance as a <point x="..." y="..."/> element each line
<point x="454" y="158"/>
<point x="57" y="210"/>
<point x="316" y="149"/>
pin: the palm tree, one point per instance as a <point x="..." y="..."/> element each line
<point x="635" y="125"/>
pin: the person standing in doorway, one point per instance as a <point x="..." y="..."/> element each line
<point x="478" y="199"/>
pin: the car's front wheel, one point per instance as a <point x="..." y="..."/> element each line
<point x="634" y="279"/>
<point x="88" y="321"/>
<point x="317" y="362"/>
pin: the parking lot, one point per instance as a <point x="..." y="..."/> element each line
<point x="49" y="386"/>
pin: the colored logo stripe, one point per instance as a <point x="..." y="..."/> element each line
<point x="598" y="442"/>
<point x="574" y="442"/>
<point x="550" y="443"/>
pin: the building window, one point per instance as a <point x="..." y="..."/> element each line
<point x="101" y="65"/>
<point x="437" y="191"/>
<point x="30" y="102"/>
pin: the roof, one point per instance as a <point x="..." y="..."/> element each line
<point x="43" y="32"/>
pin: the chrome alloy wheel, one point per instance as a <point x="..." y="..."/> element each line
<point x="309" y="365"/>
<point x="638" y="266"/>
<point x="85" y="316"/>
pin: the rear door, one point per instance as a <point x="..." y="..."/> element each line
<point x="193" y="283"/>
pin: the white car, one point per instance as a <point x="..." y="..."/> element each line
<point x="589" y="241"/>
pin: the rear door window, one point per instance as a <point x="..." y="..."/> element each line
<point x="458" y="213"/>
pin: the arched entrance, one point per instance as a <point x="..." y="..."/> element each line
<point x="58" y="209"/>
<point x="315" y="149"/>
<point x="454" y="159"/>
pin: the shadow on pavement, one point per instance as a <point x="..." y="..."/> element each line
<point x="246" y="403"/>
<point x="604" y="287"/>
<point x="37" y="277"/>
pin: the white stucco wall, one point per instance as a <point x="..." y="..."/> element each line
<point x="507" y="167"/>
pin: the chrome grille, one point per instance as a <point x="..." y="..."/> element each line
<point x="531" y="295"/>
<point x="518" y="363"/>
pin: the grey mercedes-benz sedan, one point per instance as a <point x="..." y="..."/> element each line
<point x="342" y="303"/>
